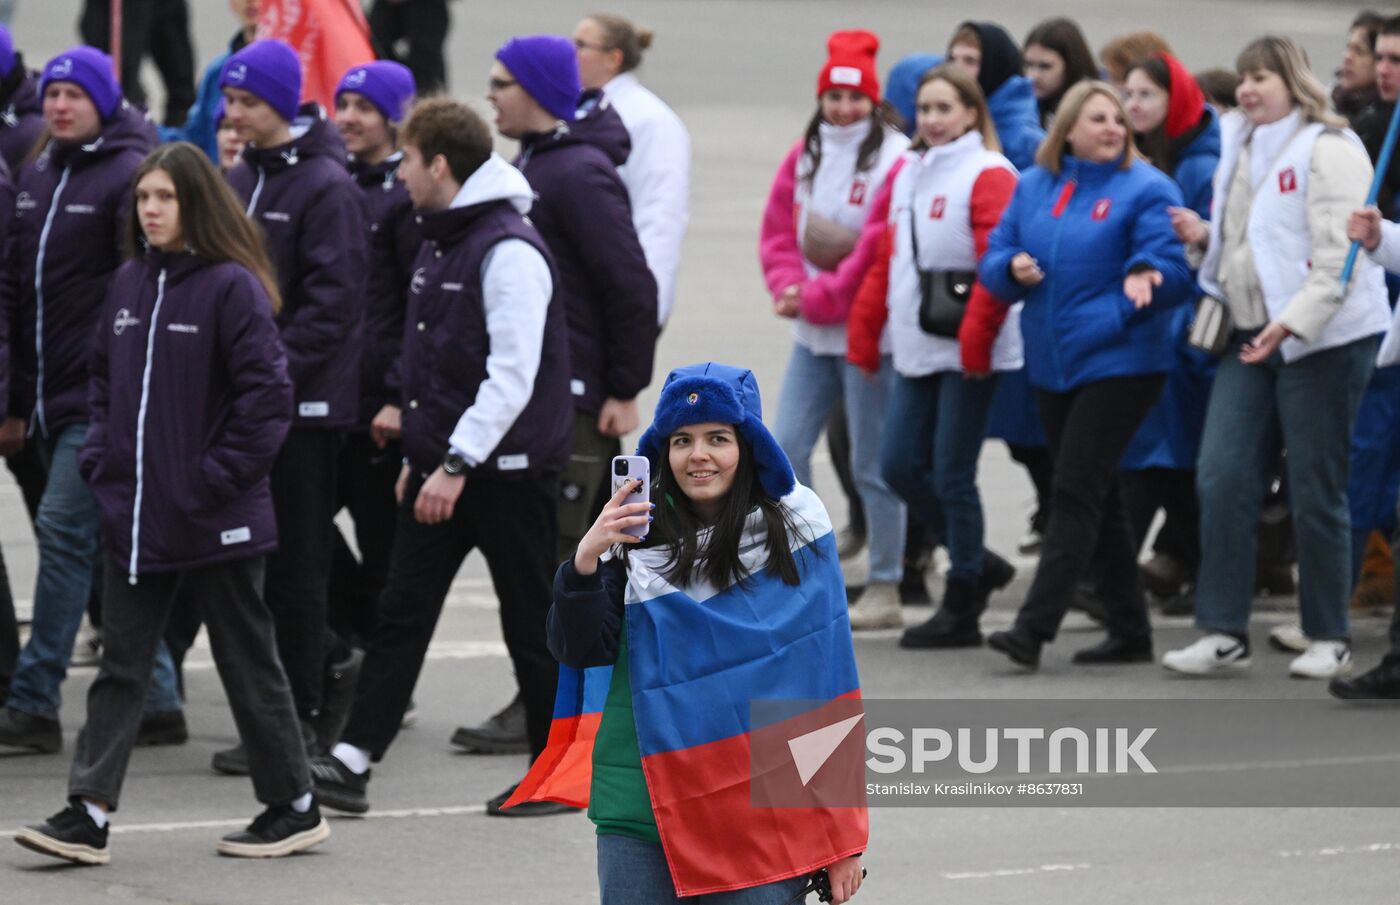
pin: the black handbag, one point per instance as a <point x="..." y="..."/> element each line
<point x="943" y="294"/>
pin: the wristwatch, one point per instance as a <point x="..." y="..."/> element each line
<point x="453" y="464"/>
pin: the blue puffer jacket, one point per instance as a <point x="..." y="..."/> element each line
<point x="1170" y="436"/>
<point x="1017" y="119"/>
<point x="1089" y="227"/>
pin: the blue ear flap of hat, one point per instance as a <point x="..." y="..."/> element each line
<point x="774" y="470"/>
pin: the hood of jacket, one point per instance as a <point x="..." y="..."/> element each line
<point x="19" y="91"/>
<point x="1013" y="105"/>
<point x="129" y="129"/>
<point x="313" y="135"/>
<point x="1001" y="60"/>
<point x="494" y="181"/>
<point x="597" y="124"/>
<point x="1201" y="141"/>
<point x="384" y="172"/>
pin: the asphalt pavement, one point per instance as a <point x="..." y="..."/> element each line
<point x="741" y="74"/>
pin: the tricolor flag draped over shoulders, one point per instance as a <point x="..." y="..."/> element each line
<point x="330" y="36"/>
<point x="698" y="657"/>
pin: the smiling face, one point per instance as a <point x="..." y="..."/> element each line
<point x="70" y="114"/>
<point x="1264" y="96"/>
<point x="703" y="460"/>
<point x="844" y="106"/>
<point x="158" y="208"/>
<point x="366" y="132"/>
<point x="942" y="116"/>
<point x="1099" y="133"/>
<point x="1046" y="70"/>
<point x="1145" y="101"/>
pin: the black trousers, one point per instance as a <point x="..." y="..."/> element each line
<point x="1040" y="465"/>
<point x="28" y="472"/>
<point x="1088" y="429"/>
<point x="365" y="490"/>
<point x="160" y="28"/>
<point x="1174" y="491"/>
<point x="241" y="636"/>
<point x="513" y="524"/>
<point x="298" y="574"/>
<point x="423" y="25"/>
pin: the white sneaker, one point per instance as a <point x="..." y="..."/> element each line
<point x="878" y="607"/>
<point x="1322" y="660"/>
<point x="1289" y="639"/>
<point x="1214" y="654"/>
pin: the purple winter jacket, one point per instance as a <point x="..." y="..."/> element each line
<point x="314" y="218"/>
<point x="21" y="114"/>
<point x="583" y="214"/>
<point x="190" y="403"/>
<point x="64" y="245"/>
<point x="394" y="239"/>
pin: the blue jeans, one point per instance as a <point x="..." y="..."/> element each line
<point x="66" y="531"/>
<point x="633" y="872"/>
<point x="811" y="385"/>
<point x="1308" y="407"/>
<point x="934" y="430"/>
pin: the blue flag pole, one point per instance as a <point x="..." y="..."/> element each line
<point x="1382" y="164"/>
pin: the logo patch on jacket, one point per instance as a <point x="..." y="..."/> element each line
<point x="420" y="278"/>
<point x="513" y="463"/>
<point x="277" y="216"/>
<point x="122" y="321"/>
<point x="25" y="202"/>
<point x="81" y="209"/>
<point x="182" y="328"/>
<point x="1101" y="207"/>
<point x="314" y="409"/>
<point x="1287" y="181"/>
<point x="857" y="192"/>
<point x="235" y="536"/>
<point x="940" y="203"/>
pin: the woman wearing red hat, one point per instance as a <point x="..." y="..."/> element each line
<point x="818" y="238"/>
<point x="1180" y="135"/>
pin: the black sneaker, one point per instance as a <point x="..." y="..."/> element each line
<point x="164" y="728"/>
<point x="71" y="834"/>
<point x="22" y="730"/>
<point x="1379" y="684"/>
<point x="338" y="787"/>
<point x="526" y="809"/>
<point x="234" y="761"/>
<point x="277" y="832"/>
<point x="503" y="733"/>
<point x="1114" y="649"/>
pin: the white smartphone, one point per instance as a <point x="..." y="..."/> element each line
<point x="633" y="468"/>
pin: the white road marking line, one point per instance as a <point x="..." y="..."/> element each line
<point x="438" y="650"/>
<point x="401" y="814"/>
<point x="1015" y="872"/>
<point x="1370" y="849"/>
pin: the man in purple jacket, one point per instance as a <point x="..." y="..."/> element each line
<point x="608" y="292"/>
<point x="60" y="255"/>
<point x="21" y="119"/>
<point x="294" y="183"/>
<point x="485" y="433"/>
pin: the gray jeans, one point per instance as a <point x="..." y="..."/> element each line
<point x="245" y="652"/>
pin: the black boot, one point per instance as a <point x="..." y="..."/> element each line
<point x="996" y="574"/>
<point x="1381" y="683"/>
<point x="955" y="623"/>
<point x="1117" y="650"/>
<point x="503" y="733"/>
<point x="1018" y="644"/>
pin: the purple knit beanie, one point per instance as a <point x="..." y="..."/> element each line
<point x="269" y="69"/>
<point x="7" y="51"/>
<point x="384" y="83"/>
<point x="546" y="66"/>
<point x="91" y="70"/>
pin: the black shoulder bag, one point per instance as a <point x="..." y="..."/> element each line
<point x="943" y="294"/>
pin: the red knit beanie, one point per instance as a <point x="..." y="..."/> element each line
<point x="851" y="64"/>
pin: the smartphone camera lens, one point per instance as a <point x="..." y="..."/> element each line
<point x="620" y="468"/>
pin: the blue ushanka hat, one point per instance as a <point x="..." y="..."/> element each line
<point x="696" y="394"/>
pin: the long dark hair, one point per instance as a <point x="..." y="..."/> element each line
<point x="1159" y="150"/>
<point x="883" y="119"/>
<point x="1064" y="38"/>
<point x="211" y="219"/>
<point x="677" y="528"/>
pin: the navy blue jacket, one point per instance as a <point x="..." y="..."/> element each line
<point x="187" y="359"/>
<point x="314" y="218"/>
<point x="1089" y="227"/>
<point x="21" y="115"/>
<point x="608" y="292"/>
<point x="393" y="239"/>
<point x="64" y="245"/>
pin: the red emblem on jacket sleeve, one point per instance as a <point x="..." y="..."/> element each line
<point x="1287" y="181"/>
<point x="1101" y="208"/>
<point x="939" y="204"/>
<point x="858" y="192"/>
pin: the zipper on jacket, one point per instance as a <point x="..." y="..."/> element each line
<point x="39" y="422"/>
<point x="1060" y="206"/>
<point x="257" y="192"/>
<point x="141" y="429"/>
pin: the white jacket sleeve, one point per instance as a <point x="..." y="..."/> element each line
<point x="1387" y="253"/>
<point x="516" y="287"/>
<point x="657" y="176"/>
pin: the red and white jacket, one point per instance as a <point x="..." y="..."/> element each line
<point x="957" y="192"/>
<point x="842" y="195"/>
